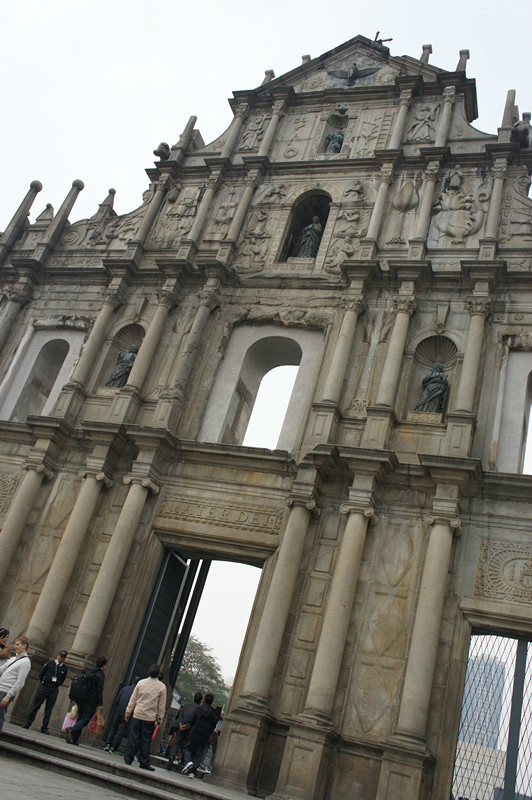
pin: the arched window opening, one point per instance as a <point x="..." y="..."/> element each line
<point x="305" y="232"/>
<point x="262" y="357"/>
<point x="269" y="410"/>
<point x="40" y="380"/>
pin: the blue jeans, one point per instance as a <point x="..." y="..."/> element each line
<point x="139" y="738"/>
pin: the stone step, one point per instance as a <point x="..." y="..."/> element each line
<point x="101" y="769"/>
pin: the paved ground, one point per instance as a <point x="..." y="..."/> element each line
<point x="21" y="781"/>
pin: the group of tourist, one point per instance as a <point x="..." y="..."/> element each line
<point x="138" y="711"/>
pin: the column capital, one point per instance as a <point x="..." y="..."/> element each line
<point x="19" y="292"/>
<point x="146" y="482"/>
<point x="252" y="179"/>
<point x="449" y="94"/>
<point x="443" y="519"/>
<point x="354" y="303"/>
<point x="47" y="473"/>
<point x="357" y="508"/>
<point x="98" y="476"/>
<point x="405" y="97"/>
<point x="386" y="174"/>
<point x="303" y="501"/>
<point x="167" y="298"/>
<point x="432" y="171"/>
<point x="209" y="298"/>
<point x="279" y="107"/>
<point x="479" y="306"/>
<point x="114" y="296"/>
<point x="404" y="304"/>
<point x="242" y="110"/>
<point x="499" y="169"/>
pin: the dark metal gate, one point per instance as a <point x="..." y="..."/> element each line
<point x="494" y="748"/>
<point x="169" y="616"/>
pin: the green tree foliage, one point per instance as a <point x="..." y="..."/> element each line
<point x="200" y="672"/>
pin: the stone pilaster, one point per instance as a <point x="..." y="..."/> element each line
<point x="399" y="125"/>
<point x="449" y="98"/>
<point x="278" y="110"/>
<point x="244" y="736"/>
<point x="418" y="243"/>
<point x="16" y="297"/>
<point x="18" y="513"/>
<point x="19" y="221"/>
<point x="385" y="180"/>
<point x="170" y="403"/>
<point x="60" y="572"/>
<point x="105" y="586"/>
<point x="488" y="245"/>
<point x="152" y="210"/>
<point x="233" y="133"/>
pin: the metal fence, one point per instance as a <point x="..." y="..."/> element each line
<point x="494" y="749"/>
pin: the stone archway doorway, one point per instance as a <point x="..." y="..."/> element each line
<point x="170" y="616"/>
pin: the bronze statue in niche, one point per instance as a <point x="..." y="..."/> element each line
<point x="310" y="239"/>
<point x="123" y="366"/>
<point x="435" y="390"/>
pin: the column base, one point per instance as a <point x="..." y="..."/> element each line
<point x="306" y="758"/>
<point x="460" y="429"/>
<point x="225" y="253"/>
<point x="487" y="250"/>
<point x="379" y="426"/>
<point x="324" y="422"/>
<point x="70" y="401"/>
<point x="405" y="768"/>
<point x="241" y="750"/>
<point x="186" y="254"/>
<point x="368" y="250"/>
<point x="125" y="404"/>
<point x="417" y="249"/>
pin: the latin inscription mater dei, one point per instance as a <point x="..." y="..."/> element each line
<point x="245" y="517"/>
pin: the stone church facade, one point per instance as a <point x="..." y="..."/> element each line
<point x="352" y="222"/>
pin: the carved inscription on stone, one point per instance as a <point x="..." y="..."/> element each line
<point x="505" y="571"/>
<point x="244" y="517"/>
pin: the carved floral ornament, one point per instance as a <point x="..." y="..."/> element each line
<point x="504" y="571"/>
<point x="404" y="304"/>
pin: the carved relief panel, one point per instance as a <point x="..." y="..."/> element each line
<point x="460" y="208"/>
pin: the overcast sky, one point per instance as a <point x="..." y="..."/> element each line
<point x="90" y="88"/>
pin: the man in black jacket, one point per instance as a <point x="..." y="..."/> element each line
<point x="198" y="735"/>
<point x="51" y="676"/>
<point x="119" y="727"/>
<point x="88" y="707"/>
<point x="185" y="718"/>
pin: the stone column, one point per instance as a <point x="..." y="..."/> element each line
<point x="243" y="206"/>
<point x="64" y="561"/>
<point x="326" y="669"/>
<point x="404" y="306"/>
<point x="399" y="125"/>
<point x="419" y="674"/>
<point x="234" y="129"/>
<point x="93" y="346"/>
<point x="494" y="212"/>
<point x="16" y="518"/>
<point x="16" y="226"/>
<point x="57" y="226"/>
<point x="378" y="209"/>
<point x="342" y="350"/>
<point x="479" y="309"/>
<point x="105" y="586"/>
<point x="16" y="297"/>
<point x="152" y="210"/>
<point x="278" y="110"/>
<point x="204" y="209"/>
<point x="171" y="401"/>
<point x="167" y="301"/>
<point x="277" y="606"/>
<point x="449" y="97"/>
<point x="427" y="196"/>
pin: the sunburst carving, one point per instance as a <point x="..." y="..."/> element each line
<point x="436" y="348"/>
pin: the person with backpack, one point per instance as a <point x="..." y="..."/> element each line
<point x="87" y="691"/>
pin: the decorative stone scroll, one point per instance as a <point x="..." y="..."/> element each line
<point x="505" y="571"/>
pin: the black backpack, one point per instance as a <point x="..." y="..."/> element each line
<point x="84" y="688"/>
